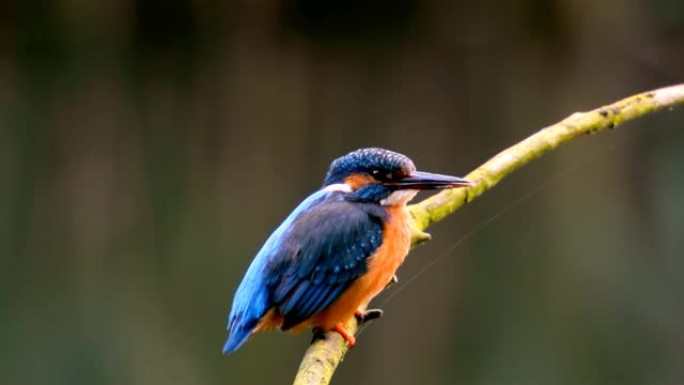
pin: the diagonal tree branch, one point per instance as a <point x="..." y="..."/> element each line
<point x="322" y="357"/>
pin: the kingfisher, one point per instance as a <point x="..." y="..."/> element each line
<point x="336" y="251"/>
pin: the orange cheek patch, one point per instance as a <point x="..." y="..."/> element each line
<point x="357" y="180"/>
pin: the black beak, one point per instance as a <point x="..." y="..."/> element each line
<point x="419" y="180"/>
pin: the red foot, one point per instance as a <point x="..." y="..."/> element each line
<point x="351" y="341"/>
<point x="359" y="314"/>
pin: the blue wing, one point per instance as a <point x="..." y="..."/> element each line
<point x="309" y="260"/>
<point x="326" y="250"/>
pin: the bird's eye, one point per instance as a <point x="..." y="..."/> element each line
<point x="375" y="172"/>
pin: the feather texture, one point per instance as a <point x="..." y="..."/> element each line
<point x="328" y="249"/>
<point x="308" y="261"/>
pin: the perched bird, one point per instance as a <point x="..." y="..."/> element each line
<point x="336" y="251"/>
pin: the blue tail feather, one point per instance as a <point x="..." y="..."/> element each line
<point x="249" y="306"/>
<point x="237" y="336"/>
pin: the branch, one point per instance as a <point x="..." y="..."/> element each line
<point x="323" y="356"/>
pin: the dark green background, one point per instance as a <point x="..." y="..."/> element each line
<point x="147" y="148"/>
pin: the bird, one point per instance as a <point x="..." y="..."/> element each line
<point x="336" y="251"/>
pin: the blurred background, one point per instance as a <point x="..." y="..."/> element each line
<point x="147" y="149"/>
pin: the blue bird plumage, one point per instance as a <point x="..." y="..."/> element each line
<point x="252" y="298"/>
<point x="292" y="273"/>
<point x="325" y="245"/>
<point x="309" y="279"/>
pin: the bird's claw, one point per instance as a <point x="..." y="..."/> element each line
<point x="349" y="338"/>
<point x="368" y="315"/>
<point x="319" y="334"/>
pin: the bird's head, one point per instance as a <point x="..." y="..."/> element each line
<point x="383" y="176"/>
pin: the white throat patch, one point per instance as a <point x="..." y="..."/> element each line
<point x="400" y="197"/>
<point x="343" y="187"/>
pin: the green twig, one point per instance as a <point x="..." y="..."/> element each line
<point x="323" y="356"/>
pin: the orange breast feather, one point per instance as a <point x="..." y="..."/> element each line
<point x="381" y="267"/>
